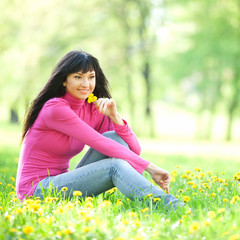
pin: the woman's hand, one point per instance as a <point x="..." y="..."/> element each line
<point x="160" y="176"/>
<point x="107" y="107"/>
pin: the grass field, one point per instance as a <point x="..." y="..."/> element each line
<point x="208" y="186"/>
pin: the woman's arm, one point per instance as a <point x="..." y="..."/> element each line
<point x="57" y="115"/>
<point x="108" y="108"/>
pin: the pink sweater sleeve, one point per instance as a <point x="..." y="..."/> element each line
<point x="58" y="116"/>
<point x="124" y="132"/>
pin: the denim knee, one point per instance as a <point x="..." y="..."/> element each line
<point x="114" y="136"/>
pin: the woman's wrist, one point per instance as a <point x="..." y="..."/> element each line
<point x="150" y="168"/>
<point x="116" y="119"/>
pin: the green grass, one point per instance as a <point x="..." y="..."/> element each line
<point x="211" y="211"/>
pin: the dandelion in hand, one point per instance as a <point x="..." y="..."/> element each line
<point x="91" y="98"/>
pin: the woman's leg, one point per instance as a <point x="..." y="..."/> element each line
<point x="103" y="175"/>
<point x="92" y="155"/>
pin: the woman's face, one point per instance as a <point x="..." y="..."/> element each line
<point x="80" y="85"/>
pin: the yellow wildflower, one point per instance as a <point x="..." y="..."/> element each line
<point x="89" y="199"/>
<point x="28" y="229"/>
<point x="106" y="203"/>
<point x="207" y="223"/>
<point x="211" y="214"/>
<point x="197" y="169"/>
<point x="144" y="210"/>
<point x="186" y="198"/>
<point x="132" y="214"/>
<point x="150" y="195"/>
<point x="137" y="222"/>
<point x="221" y="210"/>
<point x="91" y="98"/>
<point x="213" y="194"/>
<point x="157" y="199"/>
<point x="225" y="200"/>
<point x="119" y="202"/>
<point x="77" y="193"/>
<point x="194" y="227"/>
<point x="234" y="237"/>
<point x="180" y="190"/>
<point x="64" y="189"/>
<point x="86" y="229"/>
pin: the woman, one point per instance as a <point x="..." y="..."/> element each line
<point x="60" y="122"/>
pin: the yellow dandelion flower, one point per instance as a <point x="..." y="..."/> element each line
<point x="180" y="190"/>
<point x="106" y="203"/>
<point x="144" y="210"/>
<point x="0" y="183"/>
<point x="225" y="200"/>
<point x="28" y="229"/>
<point x="64" y="189"/>
<point x="221" y="210"/>
<point x="89" y="199"/>
<point x="188" y="171"/>
<point x="48" y="199"/>
<point x="132" y="214"/>
<point x="91" y="98"/>
<point x="110" y="191"/>
<point x="146" y="215"/>
<point x="137" y="222"/>
<point x="213" y="194"/>
<point x="77" y="193"/>
<point x="86" y="229"/>
<point x="157" y="199"/>
<point x="186" y="198"/>
<point x="34" y="207"/>
<point x="1" y="208"/>
<point x="150" y="195"/>
<point x="119" y="202"/>
<point x="194" y="227"/>
<point x="211" y="214"/>
<point x="189" y="211"/>
<point x="202" y="175"/>
<point x="234" y="237"/>
<point x="125" y="221"/>
<point x="89" y="205"/>
<point x="13" y="230"/>
<point x="207" y="223"/>
<point x="68" y="231"/>
<point x="59" y="233"/>
<point x="209" y="173"/>
<point x="197" y="169"/>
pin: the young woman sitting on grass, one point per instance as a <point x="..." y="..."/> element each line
<point x="62" y="120"/>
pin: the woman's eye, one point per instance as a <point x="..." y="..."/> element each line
<point x="78" y="77"/>
<point x="92" y="77"/>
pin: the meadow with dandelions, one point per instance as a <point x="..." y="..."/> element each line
<point x="209" y="187"/>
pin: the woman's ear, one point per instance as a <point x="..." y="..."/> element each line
<point x="64" y="84"/>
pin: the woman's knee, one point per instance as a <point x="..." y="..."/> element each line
<point x="114" y="136"/>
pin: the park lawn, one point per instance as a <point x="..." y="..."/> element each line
<point x="209" y="187"/>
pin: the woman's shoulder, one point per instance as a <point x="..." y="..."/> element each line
<point x="57" y="101"/>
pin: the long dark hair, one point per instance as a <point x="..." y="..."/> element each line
<point x="72" y="62"/>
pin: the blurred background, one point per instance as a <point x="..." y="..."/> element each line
<point x="173" y="65"/>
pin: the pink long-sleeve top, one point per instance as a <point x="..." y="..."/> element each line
<point x="62" y="129"/>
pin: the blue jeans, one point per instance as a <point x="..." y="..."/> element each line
<point x="97" y="173"/>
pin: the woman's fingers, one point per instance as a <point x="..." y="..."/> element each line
<point x="102" y="104"/>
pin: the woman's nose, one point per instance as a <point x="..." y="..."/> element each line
<point x="84" y="82"/>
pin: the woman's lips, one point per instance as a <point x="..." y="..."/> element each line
<point x="83" y="91"/>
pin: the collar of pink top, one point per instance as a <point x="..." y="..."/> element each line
<point x="74" y="102"/>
